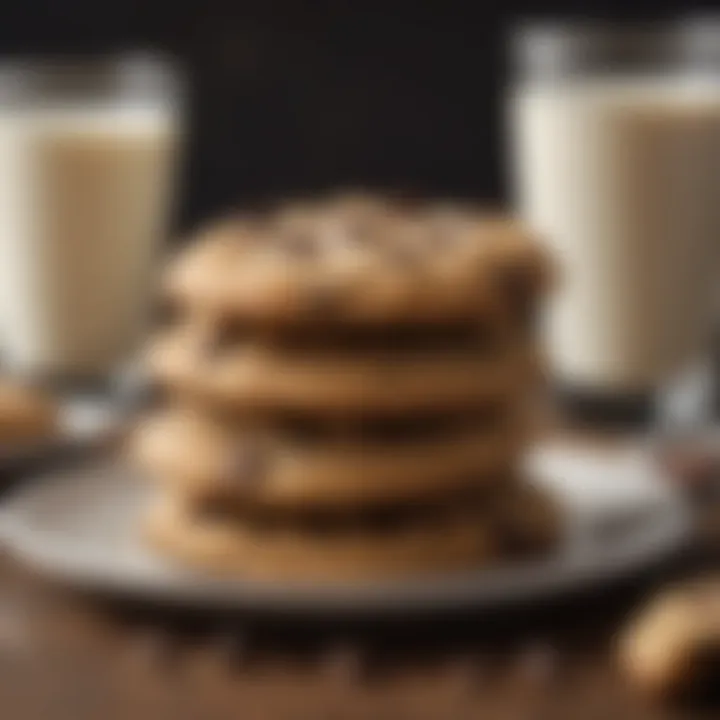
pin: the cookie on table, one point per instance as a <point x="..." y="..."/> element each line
<point x="196" y="360"/>
<point x="26" y="413"/>
<point x="214" y="542"/>
<point x="200" y="458"/>
<point x="673" y="645"/>
<point x="353" y="260"/>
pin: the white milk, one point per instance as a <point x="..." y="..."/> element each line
<point x="83" y="202"/>
<point x="622" y="179"/>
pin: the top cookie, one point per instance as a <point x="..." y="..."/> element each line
<point x="357" y="259"/>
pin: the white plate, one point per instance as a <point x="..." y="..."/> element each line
<point x="80" y="527"/>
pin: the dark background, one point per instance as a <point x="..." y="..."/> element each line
<point x="289" y="96"/>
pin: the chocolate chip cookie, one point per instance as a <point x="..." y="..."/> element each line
<point x="225" y="543"/>
<point x="189" y="454"/>
<point x="673" y="645"/>
<point x="360" y="261"/>
<point x="252" y="373"/>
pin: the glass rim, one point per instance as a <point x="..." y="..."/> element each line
<point x="51" y="62"/>
<point x="561" y="48"/>
<point x="48" y="79"/>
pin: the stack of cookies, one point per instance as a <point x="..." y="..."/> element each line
<point x="347" y="384"/>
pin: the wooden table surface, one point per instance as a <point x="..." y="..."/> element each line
<point x="68" y="656"/>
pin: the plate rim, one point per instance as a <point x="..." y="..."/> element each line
<point x="561" y="573"/>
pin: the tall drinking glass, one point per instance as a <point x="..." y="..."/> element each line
<point x="615" y="148"/>
<point x="87" y="162"/>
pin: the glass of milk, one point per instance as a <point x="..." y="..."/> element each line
<point x="615" y="160"/>
<point x="87" y="162"/>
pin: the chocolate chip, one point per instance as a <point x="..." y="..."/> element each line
<point x="319" y="524"/>
<point x="322" y="300"/>
<point x="513" y="537"/>
<point x="247" y="466"/>
<point x="224" y="334"/>
<point x="485" y="338"/>
<point x="301" y="429"/>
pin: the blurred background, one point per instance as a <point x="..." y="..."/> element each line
<point x="287" y="97"/>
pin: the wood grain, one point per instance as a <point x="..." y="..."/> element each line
<point x="64" y="655"/>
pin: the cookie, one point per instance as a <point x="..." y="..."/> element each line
<point x="229" y="546"/>
<point x="26" y="414"/>
<point x="252" y="374"/>
<point x="198" y="458"/>
<point x="673" y="645"/>
<point x="359" y="261"/>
